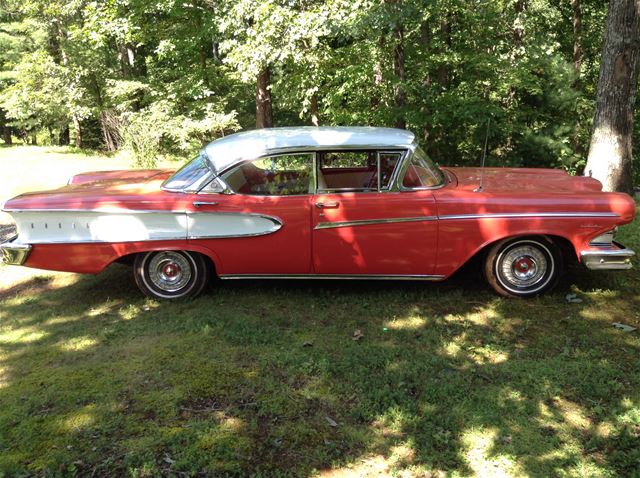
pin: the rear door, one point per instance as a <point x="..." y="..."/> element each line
<point x="360" y="227"/>
<point x="264" y="228"/>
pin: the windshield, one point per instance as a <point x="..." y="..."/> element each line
<point x="188" y="174"/>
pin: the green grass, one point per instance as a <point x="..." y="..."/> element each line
<point x="447" y="379"/>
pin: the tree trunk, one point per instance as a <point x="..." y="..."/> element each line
<point x="315" y="121"/>
<point x="6" y="130"/>
<point x="577" y="42"/>
<point x="610" y="152"/>
<point x="377" y="74"/>
<point x="264" y="112"/>
<point x="77" y="129"/>
<point x="6" y="136"/>
<point x="399" y="71"/>
<point x="63" y="136"/>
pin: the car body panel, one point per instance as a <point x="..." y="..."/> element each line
<point x="427" y="232"/>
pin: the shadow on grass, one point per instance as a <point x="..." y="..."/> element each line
<point x="266" y="377"/>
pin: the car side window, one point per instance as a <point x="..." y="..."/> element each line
<point x="356" y="170"/>
<point x="281" y="175"/>
<point x="421" y="173"/>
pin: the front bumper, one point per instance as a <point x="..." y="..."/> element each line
<point x="617" y="258"/>
<point x="14" y="253"/>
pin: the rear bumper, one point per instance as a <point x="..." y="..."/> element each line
<point x="616" y="257"/>
<point x="14" y="253"/>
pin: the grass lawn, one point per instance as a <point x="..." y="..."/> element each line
<point x="265" y="379"/>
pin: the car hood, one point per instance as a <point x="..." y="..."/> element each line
<point x="139" y="189"/>
<point x="523" y="180"/>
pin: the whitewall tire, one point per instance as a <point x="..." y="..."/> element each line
<point x="523" y="267"/>
<point x="171" y="274"/>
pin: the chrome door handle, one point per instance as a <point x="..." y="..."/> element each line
<point x="327" y="205"/>
<point x="204" y="203"/>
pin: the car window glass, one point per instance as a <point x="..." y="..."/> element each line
<point x="388" y="163"/>
<point x="422" y="173"/>
<point x="283" y="175"/>
<point x="188" y="174"/>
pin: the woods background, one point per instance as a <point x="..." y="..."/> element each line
<point x="161" y="78"/>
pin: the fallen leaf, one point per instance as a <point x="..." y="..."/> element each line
<point x="331" y="422"/>
<point x="623" y="327"/>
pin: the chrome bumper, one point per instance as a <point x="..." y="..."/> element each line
<point x="14" y="254"/>
<point x="615" y="258"/>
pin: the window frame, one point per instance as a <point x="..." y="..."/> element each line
<point x="233" y="168"/>
<point x="401" y="172"/>
<point x="402" y="152"/>
<point x="395" y="182"/>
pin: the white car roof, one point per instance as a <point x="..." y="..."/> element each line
<point x="231" y="149"/>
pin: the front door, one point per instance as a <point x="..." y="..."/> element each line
<point x="362" y="228"/>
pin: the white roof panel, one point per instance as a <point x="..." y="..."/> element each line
<point x="226" y="151"/>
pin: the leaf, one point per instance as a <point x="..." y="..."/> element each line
<point x="623" y="327"/>
<point x="331" y="422"/>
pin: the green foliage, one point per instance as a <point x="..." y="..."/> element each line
<point x="464" y="62"/>
<point x="156" y="129"/>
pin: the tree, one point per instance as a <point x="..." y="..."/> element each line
<point x="610" y="152"/>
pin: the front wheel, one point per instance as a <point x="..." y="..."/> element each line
<point x="523" y="267"/>
<point x="170" y="274"/>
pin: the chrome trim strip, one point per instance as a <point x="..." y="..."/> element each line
<point x="368" y="222"/>
<point x="166" y="226"/>
<point x="101" y="210"/>
<point x="520" y="215"/>
<point x="425" y="277"/>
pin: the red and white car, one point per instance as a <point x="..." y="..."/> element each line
<point x="340" y="203"/>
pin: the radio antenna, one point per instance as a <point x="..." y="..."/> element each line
<point x="480" y="188"/>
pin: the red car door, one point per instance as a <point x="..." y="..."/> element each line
<point x="366" y="232"/>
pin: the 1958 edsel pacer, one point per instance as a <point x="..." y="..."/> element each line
<point x="364" y="203"/>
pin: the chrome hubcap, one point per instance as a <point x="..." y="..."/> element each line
<point x="169" y="271"/>
<point x="524" y="266"/>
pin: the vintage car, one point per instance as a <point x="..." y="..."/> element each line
<point x="339" y="203"/>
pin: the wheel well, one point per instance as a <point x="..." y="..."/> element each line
<point x="130" y="258"/>
<point x="566" y="247"/>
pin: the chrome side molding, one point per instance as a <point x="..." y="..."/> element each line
<point x="336" y="276"/>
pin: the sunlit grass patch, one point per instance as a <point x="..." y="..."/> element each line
<point x="270" y="378"/>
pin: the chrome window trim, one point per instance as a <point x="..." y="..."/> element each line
<point x="404" y="152"/>
<point x="424" y="277"/>
<point x="225" y="187"/>
<point x="369" y="222"/>
<point x="399" y="178"/>
<point x="199" y="183"/>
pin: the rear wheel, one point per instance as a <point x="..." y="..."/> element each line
<point x="171" y="274"/>
<point x="523" y="267"/>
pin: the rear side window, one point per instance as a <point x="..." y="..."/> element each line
<point x="282" y="175"/>
<point x="356" y="170"/>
